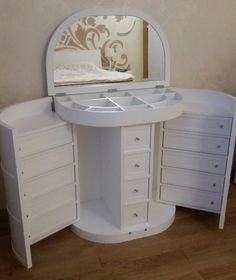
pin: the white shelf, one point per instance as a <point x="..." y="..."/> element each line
<point x="37" y="123"/>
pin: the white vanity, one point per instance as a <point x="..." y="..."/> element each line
<point x="113" y="159"/>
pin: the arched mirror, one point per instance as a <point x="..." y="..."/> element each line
<point x="104" y="48"/>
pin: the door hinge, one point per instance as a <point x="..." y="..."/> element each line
<point x="60" y="94"/>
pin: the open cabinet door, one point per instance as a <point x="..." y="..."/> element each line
<point x="10" y="165"/>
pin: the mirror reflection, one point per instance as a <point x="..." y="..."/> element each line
<point x="108" y="49"/>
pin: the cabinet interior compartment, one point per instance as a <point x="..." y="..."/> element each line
<point x="99" y="152"/>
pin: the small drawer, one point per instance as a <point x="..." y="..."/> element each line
<point x="47" y="161"/>
<point x="51" y="222"/>
<point x="197" y="143"/>
<point x="136" y="166"/>
<point x="194" y="161"/>
<point x="44" y="140"/>
<point x="49" y="201"/>
<point x="135" y="214"/>
<point x="209" y="125"/>
<point x="191" y="198"/>
<point x="136" y="137"/>
<point x="192" y="179"/>
<point x="49" y="181"/>
<point x="136" y="191"/>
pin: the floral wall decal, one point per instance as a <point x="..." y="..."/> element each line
<point x="103" y="32"/>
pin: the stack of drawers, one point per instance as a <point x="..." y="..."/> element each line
<point x="193" y="161"/>
<point x="48" y="180"/>
<point x="136" y="152"/>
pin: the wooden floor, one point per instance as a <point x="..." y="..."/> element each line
<point x="193" y="248"/>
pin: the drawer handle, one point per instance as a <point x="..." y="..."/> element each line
<point x="221" y="126"/>
<point x="136" y="190"/>
<point x="137" y="139"/>
<point x="216" y="165"/>
<point x="135" y="215"/>
<point x="136" y="165"/>
<point x="212" y="202"/>
<point x="214" y="185"/>
<point x="218" y="146"/>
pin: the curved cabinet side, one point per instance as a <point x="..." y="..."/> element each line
<point x="10" y="165"/>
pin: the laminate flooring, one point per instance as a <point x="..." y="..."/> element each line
<point x="193" y="248"/>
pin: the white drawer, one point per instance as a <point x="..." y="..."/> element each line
<point x="49" y="181"/>
<point x="47" y="161"/>
<point x="41" y="141"/>
<point x="192" y="179"/>
<point x="136" y="166"/>
<point x="194" y="161"/>
<point x="135" y="191"/>
<point x="197" y="143"/>
<point x="209" y="125"/>
<point x="136" y="137"/>
<point x="135" y="214"/>
<point x="49" y="201"/>
<point x="51" y="222"/>
<point x="191" y="198"/>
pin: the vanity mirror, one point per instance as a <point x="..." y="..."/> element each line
<point x="106" y="48"/>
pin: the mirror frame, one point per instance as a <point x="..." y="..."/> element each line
<point x="53" y="90"/>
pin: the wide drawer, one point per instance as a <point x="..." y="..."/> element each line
<point x="135" y="191"/>
<point x="209" y="125"/>
<point x="197" y="143"/>
<point x="43" y="140"/>
<point x="194" y="161"/>
<point x="47" y="161"/>
<point x="136" y="137"/>
<point x="192" y="179"/>
<point x="49" y="201"/>
<point x="49" y="181"/>
<point x="209" y="201"/>
<point x="51" y="222"/>
<point x="136" y="166"/>
<point x="135" y="214"/>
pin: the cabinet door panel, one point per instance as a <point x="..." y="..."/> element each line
<point x="47" y="161"/>
<point x="49" y="181"/>
<point x="192" y="179"/>
<point x="214" y="125"/>
<point x="10" y="166"/>
<point x="197" y="143"/>
<point x="191" y="198"/>
<point x="40" y="141"/>
<point x="194" y="161"/>
<point x="51" y="222"/>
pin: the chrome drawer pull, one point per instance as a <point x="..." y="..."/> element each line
<point x="218" y="146"/>
<point x="216" y="165"/>
<point x="136" y="190"/>
<point x="221" y="126"/>
<point x="212" y="202"/>
<point x="135" y="215"/>
<point x="136" y="165"/>
<point x="137" y="139"/>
